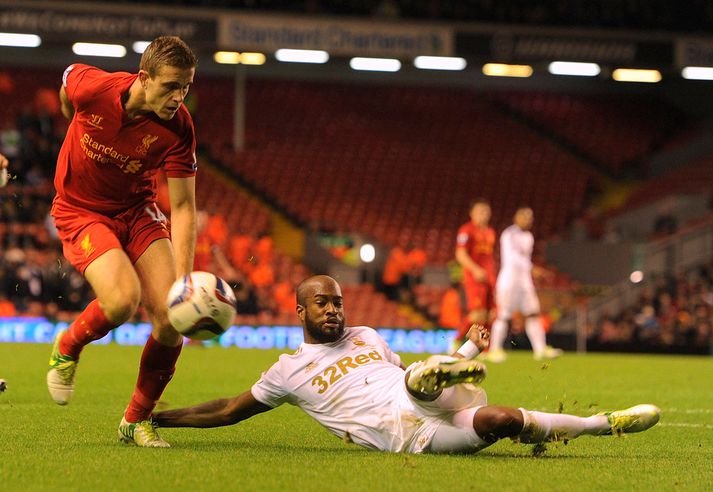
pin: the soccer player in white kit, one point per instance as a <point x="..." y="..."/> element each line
<point x="515" y="290"/>
<point x="354" y="385"/>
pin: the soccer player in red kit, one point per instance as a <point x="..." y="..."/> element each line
<point x="3" y="170"/>
<point x="124" y="127"/>
<point x="474" y="253"/>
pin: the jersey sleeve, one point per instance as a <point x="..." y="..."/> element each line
<point x="463" y="238"/>
<point x="269" y="389"/>
<point x="181" y="161"/>
<point x="79" y="83"/>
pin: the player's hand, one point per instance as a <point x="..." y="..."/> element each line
<point x="3" y="162"/>
<point x="479" y="335"/>
<point x="479" y="274"/>
<point x="542" y="273"/>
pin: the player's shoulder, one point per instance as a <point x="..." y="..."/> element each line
<point x="286" y="361"/>
<point x="359" y="330"/>
<point x="94" y="75"/>
<point x="181" y="124"/>
<point x="364" y="333"/>
<point x="78" y="68"/>
<point x="466" y="229"/>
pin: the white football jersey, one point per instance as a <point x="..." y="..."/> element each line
<point x="514" y="289"/>
<point x="354" y="387"/>
<point x="516" y="255"/>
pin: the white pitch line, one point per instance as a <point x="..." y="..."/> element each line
<point x="687" y="410"/>
<point x="682" y="424"/>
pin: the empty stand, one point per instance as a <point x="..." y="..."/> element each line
<point x="398" y="163"/>
<point x="612" y="130"/>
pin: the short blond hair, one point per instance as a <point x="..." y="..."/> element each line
<point x="169" y="51"/>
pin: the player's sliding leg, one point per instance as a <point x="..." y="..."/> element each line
<point x="117" y="288"/>
<point x="476" y="428"/>
<point x="156" y="269"/>
<point x="536" y="334"/>
<point x="542" y="427"/>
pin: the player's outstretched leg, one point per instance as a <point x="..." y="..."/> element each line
<point x="427" y="378"/>
<point x="542" y="427"/>
<point x="158" y="363"/>
<point x="476" y="428"/>
<point x="92" y="324"/>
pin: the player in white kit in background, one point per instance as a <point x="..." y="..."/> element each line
<point x="515" y="290"/>
<point x="354" y="385"/>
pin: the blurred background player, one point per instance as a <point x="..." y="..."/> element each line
<point x="3" y="170"/>
<point x="474" y="253"/>
<point x="515" y="290"/>
<point x="124" y="127"/>
<point x="354" y="385"/>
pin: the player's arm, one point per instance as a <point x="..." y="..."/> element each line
<point x="464" y="260"/>
<point x="65" y="104"/>
<point x="541" y="272"/>
<point x="182" y="194"/>
<point x="478" y="339"/>
<point x="216" y="413"/>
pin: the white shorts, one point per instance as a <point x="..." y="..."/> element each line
<point x="516" y="298"/>
<point x="444" y="425"/>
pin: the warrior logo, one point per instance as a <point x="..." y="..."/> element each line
<point x="95" y="121"/>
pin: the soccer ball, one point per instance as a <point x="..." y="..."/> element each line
<point x="200" y="305"/>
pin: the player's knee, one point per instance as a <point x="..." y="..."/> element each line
<point x="493" y="423"/>
<point x="121" y="306"/>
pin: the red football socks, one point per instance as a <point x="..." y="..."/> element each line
<point x="91" y="325"/>
<point x="158" y="363"/>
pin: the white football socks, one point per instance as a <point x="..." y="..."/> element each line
<point x="542" y="427"/>
<point x="536" y="334"/>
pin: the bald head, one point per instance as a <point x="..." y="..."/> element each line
<point x="317" y="283"/>
<point x="320" y="309"/>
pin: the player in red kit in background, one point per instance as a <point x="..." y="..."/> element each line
<point x="474" y="253"/>
<point x="124" y="128"/>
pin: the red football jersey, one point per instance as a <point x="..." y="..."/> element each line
<point x="479" y="242"/>
<point x="108" y="162"/>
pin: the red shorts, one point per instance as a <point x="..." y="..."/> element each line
<point x="87" y="235"/>
<point x="478" y="295"/>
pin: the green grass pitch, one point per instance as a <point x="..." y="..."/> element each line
<point x="46" y="447"/>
